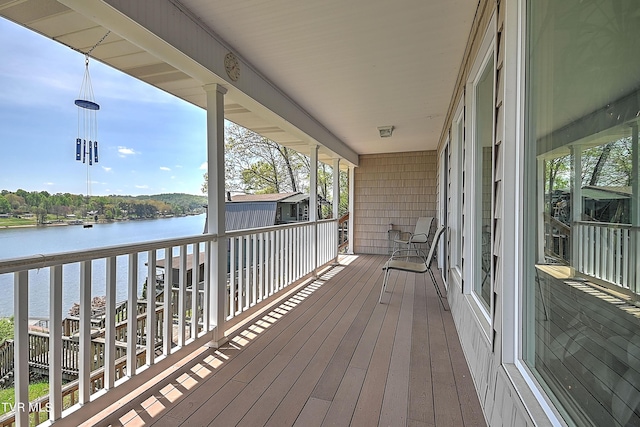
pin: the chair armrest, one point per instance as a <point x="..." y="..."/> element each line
<point x="408" y="253"/>
<point x="413" y="237"/>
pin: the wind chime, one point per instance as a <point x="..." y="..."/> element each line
<point x="87" y="139"/>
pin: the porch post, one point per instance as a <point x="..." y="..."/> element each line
<point x="634" y="277"/>
<point x="336" y="205"/>
<point x="336" y="188"/>
<point x="351" y="206"/>
<point x="313" y="203"/>
<point x="635" y="185"/>
<point x="216" y="209"/>
<point x="576" y="207"/>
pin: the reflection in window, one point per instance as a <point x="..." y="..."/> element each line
<point x="456" y="207"/>
<point x="581" y="315"/>
<point x="483" y="185"/>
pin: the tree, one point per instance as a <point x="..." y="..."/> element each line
<point x="6" y="329"/>
<point x="254" y="163"/>
<point x="16" y="201"/>
<point x="41" y="213"/>
<point x="5" y="206"/>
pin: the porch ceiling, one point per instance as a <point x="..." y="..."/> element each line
<point x="350" y="67"/>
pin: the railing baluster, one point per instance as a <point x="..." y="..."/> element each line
<point x="597" y="244"/>
<point x="206" y="326"/>
<point x="617" y="244"/>
<point x="246" y="251"/>
<point x="84" y="360"/>
<point x="132" y="314"/>
<point x="21" y="345"/>
<point x="151" y="307"/>
<point x="255" y="241"/>
<point x="296" y="253"/>
<point x="55" y="341"/>
<point x="609" y="253"/>
<point x="634" y="262"/>
<point x="182" y="296"/>
<point x="278" y="260"/>
<point x="260" y="264"/>
<point x="195" y="291"/>
<point x="625" y="260"/>
<point x="167" y="337"/>
<point x="309" y="243"/>
<point x="274" y="263"/>
<point x="237" y="274"/>
<point x="287" y="256"/>
<point x="110" y="324"/>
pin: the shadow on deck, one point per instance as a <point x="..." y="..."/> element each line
<point x="328" y="355"/>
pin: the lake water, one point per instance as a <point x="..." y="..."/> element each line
<point x="19" y="242"/>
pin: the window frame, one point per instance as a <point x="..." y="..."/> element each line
<point x="456" y="194"/>
<point x="471" y="257"/>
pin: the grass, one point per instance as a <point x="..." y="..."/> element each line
<point x="7" y="395"/>
<point x="13" y="222"/>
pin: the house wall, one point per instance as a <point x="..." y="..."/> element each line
<point x="392" y="189"/>
<point x="489" y="340"/>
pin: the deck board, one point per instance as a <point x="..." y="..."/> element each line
<point x="333" y="356"/>
<point x="421" y="411"/>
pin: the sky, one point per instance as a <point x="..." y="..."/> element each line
<point x="150" y="142"/>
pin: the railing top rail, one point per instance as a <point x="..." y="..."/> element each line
<point x="42" y="261"/>
<point x="608" y="225"/>
<point x="238" y="233"/>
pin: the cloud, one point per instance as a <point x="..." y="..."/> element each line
<point x="106" y="169"/>
<point x="124" y="151"/>
<point x="164" y="168"/>
<point x="143" y="187"/>
<point x="49" y="183"/>
<point x="204" y="166"/>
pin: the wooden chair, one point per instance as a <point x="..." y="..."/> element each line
<point x="419" y="235"/>
<point x="413" y="261"/>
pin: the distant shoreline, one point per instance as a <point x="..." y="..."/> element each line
<point x="58" y="224"/>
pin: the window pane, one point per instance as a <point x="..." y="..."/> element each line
<point x="582" y="216"/>
<point x="484" y="165"/>
<point x="457" y="162"/>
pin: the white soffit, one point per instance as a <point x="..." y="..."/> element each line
<point x="352" y="66"/>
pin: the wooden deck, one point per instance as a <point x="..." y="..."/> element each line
<point x="329" y="355"/>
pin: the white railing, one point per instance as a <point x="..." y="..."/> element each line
<point x="261" y="262"/>
<point x="267" y="260"/>
<point x="609" y="252"/>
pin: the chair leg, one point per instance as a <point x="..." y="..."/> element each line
<point x="384" y="284"/>
<point x="435" y="285"/>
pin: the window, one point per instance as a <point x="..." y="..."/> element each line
<point x="582" y="282"/>
<point x="457" y="186"/>
<point x="483" y="141"/>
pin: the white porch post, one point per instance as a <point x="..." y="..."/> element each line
<point x="336" y="188"/>
<point x="351" y="205"/>
<point x="313" y="203"/>
<point x="576" y="206"/>
<point x="634" y="277"/>
<point x="336" y="204"/>
<point x="216" y="209"/>
<point x="635" y="185"/>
